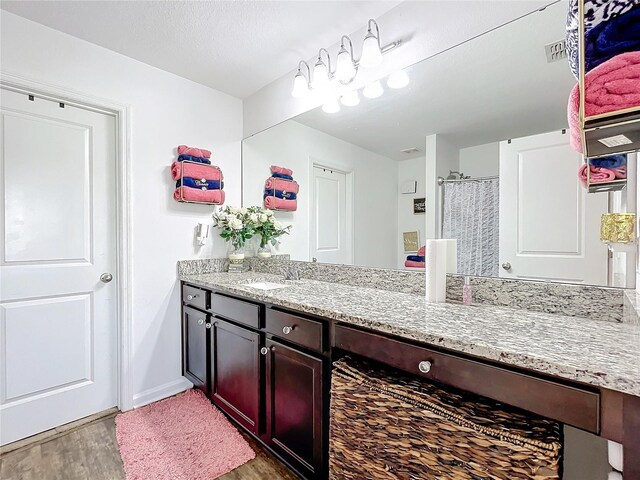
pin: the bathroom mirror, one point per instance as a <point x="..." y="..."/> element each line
<point x="474" y="148"/>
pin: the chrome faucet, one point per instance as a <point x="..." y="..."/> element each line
<point x="290" y="272"/>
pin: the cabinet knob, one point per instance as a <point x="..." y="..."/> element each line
<point x="287" y="330"/>
<point x="208" y="325"/>
<point x="201" y="321"/>
<point x="424" y="366"/>
<point x="191" y="297"/>
<point x="264" y="350"/>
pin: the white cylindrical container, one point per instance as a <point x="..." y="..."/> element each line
<point x="615" y="455"/>
<point x="436" y="271"/>
<point x="452" y="255"/>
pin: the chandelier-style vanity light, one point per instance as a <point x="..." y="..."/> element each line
<point x="333" y="85"/>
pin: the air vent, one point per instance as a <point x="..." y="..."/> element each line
<point x="556" y="51"/>
<point x="410" y="151"/>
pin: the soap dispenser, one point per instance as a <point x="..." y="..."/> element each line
<point x="466" y="291"/>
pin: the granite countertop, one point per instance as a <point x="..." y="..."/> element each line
<point x="604" y="354"/>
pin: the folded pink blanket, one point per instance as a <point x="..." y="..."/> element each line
<point x="613" y="85"/>
<point x="281" y="184"/>
<point x="598" y="175"/>
<point x="411" y="264"/>
<point x="196" y="152"/>
<point x="198" y="195"/>
<point x="620" y="172"/>
<point x="282" y="170"/>
<point x="275" y="203"/>
<point x="421" y="251"/>
<point x="195" y="170"/>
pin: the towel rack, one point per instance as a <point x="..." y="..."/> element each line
<point x="182" y="199"/>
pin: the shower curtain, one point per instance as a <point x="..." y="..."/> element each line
<point x="470" y="215"/>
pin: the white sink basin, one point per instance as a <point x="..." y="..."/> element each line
<point x="266" y="285"/>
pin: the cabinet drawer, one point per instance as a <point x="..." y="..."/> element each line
<point x="295" y="329"/>
<point x="194" y="296"/>
<point x="236" y="310"/>
<point x="573" y="406"/>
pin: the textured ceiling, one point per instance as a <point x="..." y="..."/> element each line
<point x="236" y="47"/>
<point x="493" y="88"/>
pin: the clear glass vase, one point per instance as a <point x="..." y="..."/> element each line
<point x="264" y="251"/>
<point x="236" y="254"/>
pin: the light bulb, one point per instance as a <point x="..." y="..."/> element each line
<point x="350" y="98"/>
<point x="331" y="105"/>
<point x="373" y="90"/>
<point x="371" y="54"/>
<point x="398" y="79"/>
<point x="320" y="75"/>
<point x="345" y="70"/>
<point x="300" y="86"/>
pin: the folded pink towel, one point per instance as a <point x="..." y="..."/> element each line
<point x="193" y="151"/>
<point x="611" y="86"/>
<point x="198" y="195"/>
<point x="620" y="172"/>
<point x="282" y="170"/>
<point x="274" y="203"/>
<point x="195" y="170"/>
<point x="421" y="251"/>
<point x="411" y="264"/>
<point x="281" y="184"/>
<point x="598" y="175"/>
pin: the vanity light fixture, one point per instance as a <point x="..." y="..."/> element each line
<point x="371" y="49"/>
<point x="373" y="90"/>
<point x="346" y="68"/>
<point x="398" y="79"/>
<point x="331" y="105"/>
<point x="322" y="71"/>
<point x="301" y="84"/>
<point x="350" y="98"/>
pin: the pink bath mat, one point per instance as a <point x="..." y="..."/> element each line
<point x="181" y="438"/>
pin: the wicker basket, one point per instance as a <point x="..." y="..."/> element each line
<point x="386" y="425"/>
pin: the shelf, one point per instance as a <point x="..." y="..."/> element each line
<point x="603" y="127"/>
<point x="613" y="186"/>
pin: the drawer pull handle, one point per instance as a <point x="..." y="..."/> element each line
<point x="208" y="325"/>
<point x="264" y="350"/>
<point x="287" y="330"/>
<point x="201" y="321"/>
<point x="191" y="297"/>
<point x="424" y="366"/>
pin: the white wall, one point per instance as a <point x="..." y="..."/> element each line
<point x="297" y="147"/>
<point x="166" y="111"/>
<point x="425" y="28"/>
<point x="480" y="160"/>
<point x="441" y="157"/>
<point x="412" y="169"/>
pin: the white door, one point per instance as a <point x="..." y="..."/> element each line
<point x="330" y="241"/>
<point x="549" y="225"/>
<point x="57" y="319"/>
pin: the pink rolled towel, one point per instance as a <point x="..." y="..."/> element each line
<point x="281" y="170"/>
<point x="195" y="170"/>
<point x="198" y="195"/>
<point x="281" y="184"/>
<point x="193" y="151"/>
<point x="598" y="175"/>
<point x="274" y="203"/>
<point x="611" y="86"/>
<point x="412" y="264"/>
<point x="421" y="251"/>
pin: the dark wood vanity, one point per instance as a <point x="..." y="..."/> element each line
<point x="269" y="370"/>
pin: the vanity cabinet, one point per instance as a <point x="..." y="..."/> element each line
<point x="295" y="406"/>
<point x="236" y="372"/>
<point x="195" y="347"/>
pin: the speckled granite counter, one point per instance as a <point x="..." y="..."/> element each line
<point x="604" y="354"/>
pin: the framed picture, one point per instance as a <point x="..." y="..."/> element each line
<point x="411" y="242"/>
<point x="419" y="205"/>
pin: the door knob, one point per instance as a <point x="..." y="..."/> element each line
<point x="106" y="277"/>
<point x="314" y="259"/>
<point x="506" y="266"/>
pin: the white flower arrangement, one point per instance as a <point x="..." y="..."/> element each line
<point x="235" y="224"/>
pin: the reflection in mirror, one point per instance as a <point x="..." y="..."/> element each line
<point x="474" y="148"/>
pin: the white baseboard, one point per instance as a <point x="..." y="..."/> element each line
<point x="163" y="391"/>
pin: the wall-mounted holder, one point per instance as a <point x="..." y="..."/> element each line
<point x="181" y="198"/>
<point x="201" y="233"/>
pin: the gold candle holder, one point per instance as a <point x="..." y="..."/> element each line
<point x="618" y="228"/>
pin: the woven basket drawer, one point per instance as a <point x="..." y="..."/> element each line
<point x="386" y="425"/>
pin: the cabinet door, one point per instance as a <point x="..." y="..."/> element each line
<point x="195" y="342"/>
<point x="294" y="407"/>
<point x="235" y="371"/>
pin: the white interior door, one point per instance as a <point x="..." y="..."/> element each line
<point x="549" y="225"/>
<point x="330" y="242"/>
<point x="58" y="352"/>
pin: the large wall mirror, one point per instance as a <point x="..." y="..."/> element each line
<point x="480" y="134"/>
